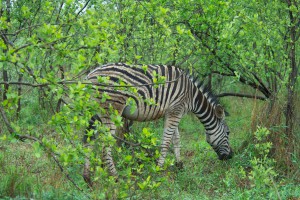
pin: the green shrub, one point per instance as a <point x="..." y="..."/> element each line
<point x="257" y="178"/>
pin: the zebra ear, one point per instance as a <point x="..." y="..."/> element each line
<point x="219" y="111"/>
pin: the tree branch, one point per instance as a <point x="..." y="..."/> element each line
<point x="6" y="121"/>
<point x="219" y="73"/>
<point x="85" y="5"/>
<point x="6" y="40"/>
<point x="243" y="79"/>
<point x="87" y="83"/>
<point x="226" y="94"/>
<point x="21" y="47"/>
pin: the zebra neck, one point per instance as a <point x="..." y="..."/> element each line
<point x="204" y="110"/>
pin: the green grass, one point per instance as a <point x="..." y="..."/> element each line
<point x="25" y="176"/>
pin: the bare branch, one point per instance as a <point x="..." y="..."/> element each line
<point x="6" y="40"/>
<point x="26" y="84"/>
<point x="217" y="72"/>
<point x="82" y="8"/>
<point x="58" y="14"/>
<point x="261" y="82"/>
<point x="226" y="94"/>
<point x="6" y="121"/>
<point x="21" y="47"/>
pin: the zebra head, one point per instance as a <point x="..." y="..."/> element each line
<point x="218" y="134"/>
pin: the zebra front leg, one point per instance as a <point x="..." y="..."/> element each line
<point x="176" y="143"/>
<point x="86" y="168"/>
<point x="168" y="133"/>
<point x="171" y="124"/>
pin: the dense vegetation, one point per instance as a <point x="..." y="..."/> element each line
<point x="247" y="52"/>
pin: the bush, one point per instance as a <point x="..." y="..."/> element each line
<point x="257" y="178"/>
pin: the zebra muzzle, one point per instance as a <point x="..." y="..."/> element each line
<point x="226" y="156"/>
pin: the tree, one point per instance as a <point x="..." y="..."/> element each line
<point x="293" y="35"/>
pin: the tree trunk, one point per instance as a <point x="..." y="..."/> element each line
<point x="5" y="79"/>
<point x="19" y="95"/>
<point x="62" y="76"/>
<point x="4" y="72"/>
<point x="291" y="87"/>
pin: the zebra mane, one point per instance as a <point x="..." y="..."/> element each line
<point x="204" y="88"/>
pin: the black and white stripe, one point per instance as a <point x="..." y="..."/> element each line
<point x="181" y="93"/>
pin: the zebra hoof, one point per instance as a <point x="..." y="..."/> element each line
<point x="179" y="165"/>
<point x="88" y="180"/>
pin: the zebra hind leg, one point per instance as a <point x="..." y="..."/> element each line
<point x="109" y="161"/>
<point x="86" y="169"/>
<point x="106" y="150"/>
<point x="107" y="156"/>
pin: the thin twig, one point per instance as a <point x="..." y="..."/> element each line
<point x="66" y="174"/>
<point x="21" y="47"/>
<point x="241" y="95"/>
<point x="127" y="142"/>
<point x="83" y="8"/>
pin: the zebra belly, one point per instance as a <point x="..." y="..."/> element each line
<point x="140" y="115"/>
<point x="128" y="114"/>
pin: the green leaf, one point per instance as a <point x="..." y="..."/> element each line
<point x="3" y="137"/>
<point x="128" y="158"/>
<point x="180" y="31"/>
<point x="37" y="149"/>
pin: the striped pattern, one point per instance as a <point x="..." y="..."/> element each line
<point x="181" y="93"/>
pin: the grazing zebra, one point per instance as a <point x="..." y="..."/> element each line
<point x="179" y="94"/>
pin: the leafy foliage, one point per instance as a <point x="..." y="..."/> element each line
<point x="47" y="47"/>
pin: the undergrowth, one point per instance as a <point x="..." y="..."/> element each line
<point x="26" y="172"/>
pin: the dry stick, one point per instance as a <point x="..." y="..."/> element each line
<point x="24" y="137"/>
<point x="241" y="95"/>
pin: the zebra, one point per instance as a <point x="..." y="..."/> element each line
<point x="179" y="94"/>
